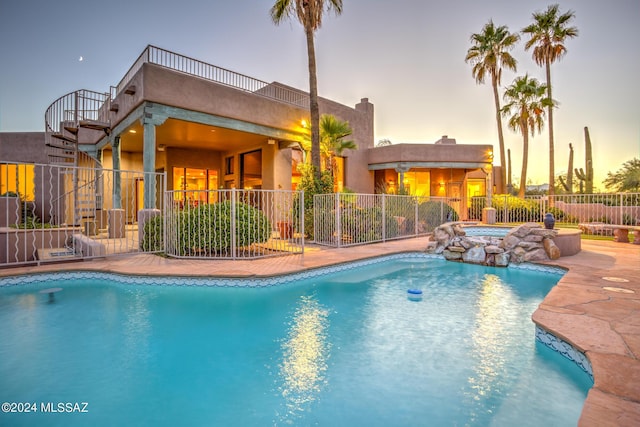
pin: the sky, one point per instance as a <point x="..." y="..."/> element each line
<point x="405" y="56"/>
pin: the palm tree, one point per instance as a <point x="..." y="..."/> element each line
<point x="332" y="138"/>
<point x="547" y="37"/>
<point x="488" y="54"/>
<point x="309" y="13"/>
<point x="526" y="99"/>
<point x="332" y="142"/>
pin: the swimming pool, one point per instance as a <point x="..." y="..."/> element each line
<point x="346" y="348"/>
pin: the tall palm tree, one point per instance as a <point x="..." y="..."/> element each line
<point x="488" y="54"/>
<point x="309" y="13"/>
<point x="525" y="103"/>
<point x="547" y="37"/>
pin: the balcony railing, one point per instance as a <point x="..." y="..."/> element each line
<point x="197" y="68"/>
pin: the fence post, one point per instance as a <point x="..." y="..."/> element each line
<point x="338" y="222"/>
<point x="301" y="222"/>
<point x="233" y="223"/>
<point x="384" y="217"/>
<point x="415" y="222"/>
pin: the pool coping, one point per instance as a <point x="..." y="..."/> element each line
<point x="601" y="323"/>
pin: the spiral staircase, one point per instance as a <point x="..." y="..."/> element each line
<point x="78" y="119"/>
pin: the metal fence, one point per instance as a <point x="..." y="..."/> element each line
<point x="58" y="212"/>
<point x="573" y="210"/>
<point x="233" y="224"/>
<point x="344" y="219"/>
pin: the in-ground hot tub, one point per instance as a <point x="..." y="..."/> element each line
<point x="567" y="240"/>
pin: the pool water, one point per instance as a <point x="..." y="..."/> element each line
<point x="344" y="349"/>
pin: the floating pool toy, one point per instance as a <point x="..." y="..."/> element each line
<point x="414" y="294"/>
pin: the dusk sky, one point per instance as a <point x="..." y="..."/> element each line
<point x="406" y="56"/>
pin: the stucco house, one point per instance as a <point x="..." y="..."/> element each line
<point x="211" y="128"/>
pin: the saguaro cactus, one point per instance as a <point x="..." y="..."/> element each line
<point x="568" y="186"/>
<point x="586" y="177"/>
<point x="509" y="184"/>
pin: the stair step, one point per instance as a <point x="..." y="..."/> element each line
<point x="62" y="155"/>
<point x="63" y="137"/>
<point x="72" y="128"/>
<point x="60" y="143"/>
<point x="60" y="162"/>
<point x="95" y="125"/>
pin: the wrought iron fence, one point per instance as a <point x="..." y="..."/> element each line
<point x="233" y="224"/>
<point x="346" y="219"/>
<point x="592" y="213"/>
<point x="56" y="212"/>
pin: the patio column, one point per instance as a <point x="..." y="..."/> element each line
<point x="117" y="187"/>
<point x="116" y="215"/>
<point x="149" y="122"/>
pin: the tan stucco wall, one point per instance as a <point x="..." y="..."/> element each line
<point x="25" y="147"/>
<point x="454" y="153"/>
<point x="167" y="87"/>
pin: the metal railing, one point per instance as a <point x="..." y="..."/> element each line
<point x="66" y="212"/>
<point x="197" y="68"/>
<point x="63" y="118"/>
<point x="345" y="219"/>
<point x="567" y="209"/>
<point x="233" y="224"/>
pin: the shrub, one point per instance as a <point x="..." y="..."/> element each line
<point x="628" y="219"/>
<point x="604" y="219"/>
<point x="365" y="225"/>
<point x="310" y="186"/>
<point x="562" y="216"/>
<point x="435" y="213"/>
<point x="207" y="228"/>
<point x="153" y="239"/>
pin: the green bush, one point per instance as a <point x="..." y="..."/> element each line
<point x="207" y="228"/>
<point x="514" y="209"/>
<point x="153" y="238"/>
<point x="365" y="225"/>
<point x="311" y="187"/>
<point x="628" y="219"/>
<point x="562" y="216"/>
<point x="434" y="213"/>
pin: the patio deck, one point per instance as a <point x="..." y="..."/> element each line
<point x="595" y="306"/>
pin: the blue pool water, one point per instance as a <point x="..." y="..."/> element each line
<point x="344" y="349"/>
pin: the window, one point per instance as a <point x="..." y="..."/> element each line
<point x="194" y="184"/>
<point x="297" y="159"/>
<point x="251" y="170"/>
<point x="17" y="178"/>
<point x="228" y="165"/>
<point x="417" y="182"/>
<point x="476" y="187"/>
<point x="338" y="174"/>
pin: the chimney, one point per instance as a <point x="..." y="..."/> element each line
<point x="446" y="140"/>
